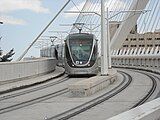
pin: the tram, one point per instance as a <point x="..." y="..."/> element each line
<point x="81" y="53"/>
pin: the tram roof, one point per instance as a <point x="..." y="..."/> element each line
<point x="82" y="35"/>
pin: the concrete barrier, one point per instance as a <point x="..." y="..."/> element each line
<point x="146" y="63"/>
<point x="147" y="111"/>
<point x="92" y="85"/>
<point x="144" y="58"/>
<point x="21" y="70"/>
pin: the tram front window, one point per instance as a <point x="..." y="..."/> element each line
<point x="81" y="50"/>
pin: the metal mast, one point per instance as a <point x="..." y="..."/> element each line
<point x="104" y="50"/>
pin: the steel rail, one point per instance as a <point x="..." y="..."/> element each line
<point x="98" y="100"/>
<point x="30" y="85"/>
<point x="154" y="84"/>
<point x="151" y="91"/>
<point x="33" y="89"/>
<point x="33" y="101"/>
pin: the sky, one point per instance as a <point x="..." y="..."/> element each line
<point x="23" y="20"/>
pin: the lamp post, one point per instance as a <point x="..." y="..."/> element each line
<point x="108" y="41"/>
<point x="0" y="37"/>
<point x="53" y="38"/>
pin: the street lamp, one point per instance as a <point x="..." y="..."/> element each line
<point x="53" y="38"/>
<point x="0" y="36"/>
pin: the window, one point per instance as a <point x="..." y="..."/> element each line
<point x="156" y="45"/>
<point x="134" y="39"/>
<point x="149" y="38"/>
<point x="157" y="38"/>
<point x="125" y="45"/>
<point x="141" y="45"/>
<point x="141" y="38"/>
<point x="127" y="39"/>
<point x="133" y="45"/>
<point x="150" y="45"/>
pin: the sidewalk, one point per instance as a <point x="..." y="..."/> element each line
<point x="31" y="81"/>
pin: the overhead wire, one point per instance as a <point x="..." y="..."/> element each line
<point x="142" y="19"/>
<point x="156" y="16"/>
<point x="147" y="18"/>
<point x="79" y="16"/>
<point x="75" y="5"/>
<point x="157" y="25"/>
<point x="85" y="15"/>
<point x="151" y="17"/>
<point x="90" y="15"/>
<point x="93" y="16"/>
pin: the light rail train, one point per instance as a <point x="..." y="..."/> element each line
<point x="81" y="53"/>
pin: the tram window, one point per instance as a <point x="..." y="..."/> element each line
<point x="94" y="55"/>
<point x="81" y="53"/>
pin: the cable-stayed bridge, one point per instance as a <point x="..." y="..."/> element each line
<point x="129" y="31"/>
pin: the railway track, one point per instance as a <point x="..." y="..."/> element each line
<point x="151" y="91"/>
<point x="30" y="85"/>
<point x="78" y="109"/>
<point x="33" y="101"/>
<point x="82" y="108"/>
<point x="63" y="91"/>
<point x="33" y="89"/>
<point x="98" y="100"/>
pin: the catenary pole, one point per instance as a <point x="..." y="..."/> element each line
<point x="108" y="40"/>
<point x="104" y="50"/>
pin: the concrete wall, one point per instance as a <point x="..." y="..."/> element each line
<point x="148" y="63"/>
<point x="145" y="59"/>
<point x="142" y="58"/>
<point x="25" y="69"/>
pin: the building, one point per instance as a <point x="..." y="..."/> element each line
<point x="149" y="39"/>
<point x="135" y="39"/>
